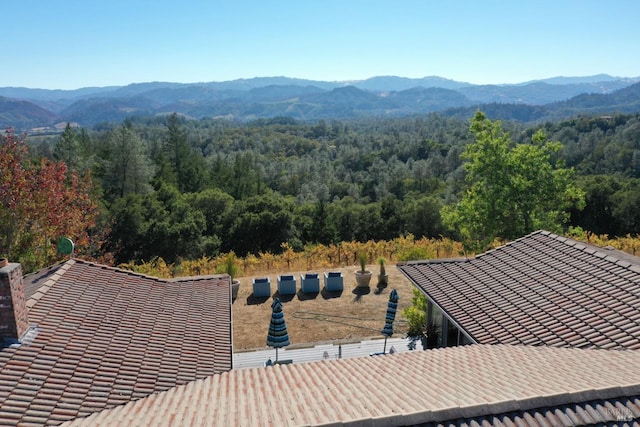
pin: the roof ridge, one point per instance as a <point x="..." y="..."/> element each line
<point x="148" y="276"/>
<point x="436" y="261"/>
<point x="526" y="398"/>
<point x="194" y="278"/>
<point x="611" y="254"/>
<point x="549" y="400"/>
<point x="52" y="280"/>
<point x="122" y="270"/>
<point x="511" y="242"/>
<point x="608" y="253"/>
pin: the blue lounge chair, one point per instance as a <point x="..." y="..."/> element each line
<point x="333" y="281"/>
<point x="261" y="287"/>
<point x="310" y="283"/>
<point x="287" y="284"/>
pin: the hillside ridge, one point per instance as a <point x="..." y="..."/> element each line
<point x="267" y="97"/>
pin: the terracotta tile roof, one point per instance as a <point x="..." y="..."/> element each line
<point x="542" y="289"/>
<point x="106" y="336"/>
<point x="453" y="385"/>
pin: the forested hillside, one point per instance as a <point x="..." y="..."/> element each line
<point x="181" y="189"/>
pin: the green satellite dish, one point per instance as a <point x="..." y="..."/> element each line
<point x="65" y="246"/>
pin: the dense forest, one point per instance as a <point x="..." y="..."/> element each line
<point x="175" y="188"/>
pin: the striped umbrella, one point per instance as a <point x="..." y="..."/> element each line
<point x="392" y="306"/>
<point x="277" y="336"/>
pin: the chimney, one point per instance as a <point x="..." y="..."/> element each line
<point x="14" y="321"/>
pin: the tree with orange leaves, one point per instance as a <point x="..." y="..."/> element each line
<point x="40" y="201"/>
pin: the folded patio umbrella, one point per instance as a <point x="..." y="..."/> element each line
<point x="277" y="336"/>
<point x="392" y="306"/>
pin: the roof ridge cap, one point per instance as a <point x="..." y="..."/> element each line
<point x="199" y="277"/>
<point x="511" y="242"/>
<point x="474" y="410"/>
<point x="608" y="253"/>
<point x="156" y="278"/>
<point x="436" y="260"/>
<point x="123" y="270"/>
<point x="52" y="280"/>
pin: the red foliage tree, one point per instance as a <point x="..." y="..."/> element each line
<point x="40" y="201"/>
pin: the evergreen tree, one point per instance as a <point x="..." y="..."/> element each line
<point x="322" y="227"/>
<point x="67" y="148"/>
<point x="188" y="166"/>
<point x="129" y="168"/>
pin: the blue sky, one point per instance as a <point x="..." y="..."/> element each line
<point x="67" y="44"/>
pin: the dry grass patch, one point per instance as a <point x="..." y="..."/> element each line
<point x="349" y="316"/>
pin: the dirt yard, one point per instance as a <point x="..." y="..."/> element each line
<point x="351" y="315"/>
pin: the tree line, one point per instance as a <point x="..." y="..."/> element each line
<point x="176" y="188"/>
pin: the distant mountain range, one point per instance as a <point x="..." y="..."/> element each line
<point x="264" y="97"/>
